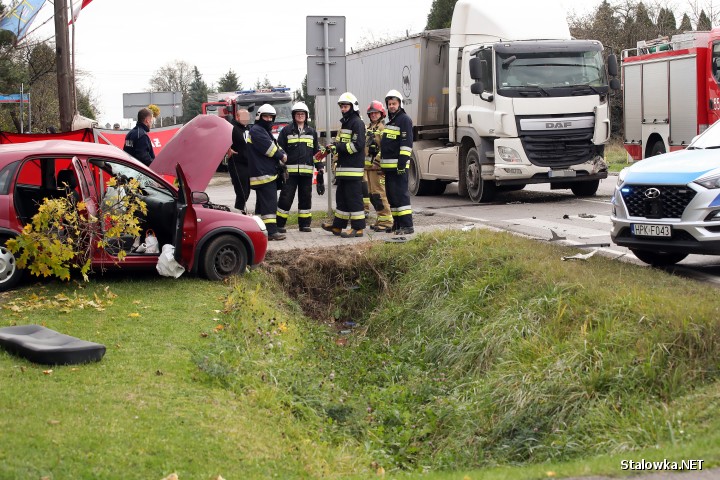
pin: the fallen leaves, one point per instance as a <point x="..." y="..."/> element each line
<point x="62" y="303"/>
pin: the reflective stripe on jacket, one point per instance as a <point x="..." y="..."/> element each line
<point x="263" y="155"/>
<point x="397" y="141"/>
<point x="350" y="145"/>
<point x="300" y="148"/>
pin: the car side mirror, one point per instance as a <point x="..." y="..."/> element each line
<point x="477" y="88"/>
<point x="615" y="84"/>
<point x="612" y="65"/>
<point x="476" y="68"/>
<point x="200" y="198"/>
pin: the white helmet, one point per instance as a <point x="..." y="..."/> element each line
<point x="267" y="109"/>
<point x="301" y="107"/>
<point x="348" y="97"/>
<point x="394" y="94"/>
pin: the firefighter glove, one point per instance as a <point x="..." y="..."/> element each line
<point x="320" y="186"/>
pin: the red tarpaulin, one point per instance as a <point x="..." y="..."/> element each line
<point x="84" y="135"/>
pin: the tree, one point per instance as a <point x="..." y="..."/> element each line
<point x="197" y="95"/>
<point x="666" y="22"/>
<point x="265" y="83"/>
<point x="704" y="23"/>
<point x="440" y="15"/>
<point x="229" y="82"/>
<point x="685" y="25"/>
<point x="173" y="77"/>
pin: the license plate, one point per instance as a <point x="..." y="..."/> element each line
<point x="561" y="173"/>
<point x="646" y="230"/>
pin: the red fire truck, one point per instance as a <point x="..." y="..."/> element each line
<point x="671" y="91"/>
<point x="223" y="104"/>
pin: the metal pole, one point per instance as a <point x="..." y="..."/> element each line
<point x="62" y="61"/>
<point x="22" y="119"/>
<point x="328" y="137"/>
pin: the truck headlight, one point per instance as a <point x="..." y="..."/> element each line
<point x="509" y="155"/>
<point x="710" y="183"/>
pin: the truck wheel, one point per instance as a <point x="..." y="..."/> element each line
<point x="479" y="190"/>
<point x="658" y="259"/>
<point x="416" y="186"/>
<point x="10" y="273"/>
<point x="585" y="189"/>
<point x="658" y="148"/>
<point x="224" y="257"/>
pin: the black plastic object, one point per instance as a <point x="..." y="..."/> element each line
<point x="42" y="345"/>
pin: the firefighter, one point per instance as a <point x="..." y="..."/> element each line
<point x="137" y="141"/>
<point x="237" y="159"/>
<point x="373" y="174"/>
<point x="395" y="151"/>
<point x="300" y="141"/>
<point x="350" y="146"/>
<point x="265" y="159"/>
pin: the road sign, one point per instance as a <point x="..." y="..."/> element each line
<point x="316" y="75"/>
<point x="315" y="35"/>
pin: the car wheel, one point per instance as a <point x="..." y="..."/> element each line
<point x="658" y="148"/>
<point x="658" y="259"/>
<point x="585" y="189"/>
<point x="224" y="257"/>
<point x="479" y="190"/>
<point x="10" y="273"/>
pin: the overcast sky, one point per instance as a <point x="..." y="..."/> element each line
<point x="120" y="44"/>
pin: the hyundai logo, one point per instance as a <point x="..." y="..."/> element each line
<point x="652" y="193"/>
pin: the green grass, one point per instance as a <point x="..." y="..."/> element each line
<point x="616" y="156"/>
<point x="477" y="354"/>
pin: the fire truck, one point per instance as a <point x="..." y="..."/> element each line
<point x="671" y="91"/>
<point x="224" y="103"/>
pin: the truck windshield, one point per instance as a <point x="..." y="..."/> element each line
<point x="282" y="107"/>
<point x="551" y="73"/>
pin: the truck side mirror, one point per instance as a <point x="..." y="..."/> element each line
<point x="478" y="88"/>
<point x="615" y="84"/>
<point x="476" y="68"/>
<point x="612" y="65"/>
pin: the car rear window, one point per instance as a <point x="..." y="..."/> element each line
<point x="6" y="175"/>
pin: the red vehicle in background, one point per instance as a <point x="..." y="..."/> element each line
<point x="671" y="92"/>
<point x="208" y="239"/>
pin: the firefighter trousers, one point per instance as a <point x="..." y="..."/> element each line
<point x="396" y="187"/>
<point x="240" y="178"/>
<point x="349" y="204"/>
<point x="303" y="185"/>
<point x="378" y="198"/>
<point x="266" y="205"/>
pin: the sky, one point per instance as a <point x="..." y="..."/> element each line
<point x="120" y="44"/>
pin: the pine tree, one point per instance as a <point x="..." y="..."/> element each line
<point x="685" y="25"/>
<point x="440" y="15"/>
<point x="197" y="95"/>
<point x="666" y="22"/>
<point x="644" y="28"/>
<point x="704" y="23"/>
<point x="229" y="82"/>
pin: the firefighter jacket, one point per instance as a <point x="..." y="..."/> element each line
<point x="397" y="140"/>
<point x="263" y="154"/>
<point x="300" y="147"/>
<point x="373" y="137"/>
<point x="239" y="133"/>
<point x="138" y="144"/>
<point x="350" y="146"/>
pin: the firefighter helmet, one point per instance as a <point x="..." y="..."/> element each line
<point x="350" y="99"/>
<point x="267" y="109"/>
<point x="395" y="94"/>
<point x="376" y="106"/>
<point x="301" y="107"/>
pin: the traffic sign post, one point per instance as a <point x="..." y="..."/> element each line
<point x="325" y="45"/>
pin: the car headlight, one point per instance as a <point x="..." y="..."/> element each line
<point x="621" y="176"/>
<point x="260" y="223"/>
<point x="710" y="183"/>
<point x="509" y="155"/>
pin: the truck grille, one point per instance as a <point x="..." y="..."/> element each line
<point x="670" y="203"/>
<point x="559" y="149"/>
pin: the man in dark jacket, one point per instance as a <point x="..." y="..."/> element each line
<point x="350" y="148"/>
<point x="395" y="151"/>
<point x="137" y="141"/>
<point x="300" y="141"/>
<point x="237" y="158"/>
<point x="265" y="157"/>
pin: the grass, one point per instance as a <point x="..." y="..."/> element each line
<point x="477" y="354"/>
<point x="616" y="156"/>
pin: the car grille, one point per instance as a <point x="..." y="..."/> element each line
<point x="559" y="149"/>
<point x="670" y="203"/>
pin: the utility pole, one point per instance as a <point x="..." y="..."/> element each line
<point x="62" y="61"/>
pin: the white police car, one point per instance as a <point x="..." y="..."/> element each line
<point x="667" y="207"/>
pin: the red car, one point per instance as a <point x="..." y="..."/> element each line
<point x="208" y="239"/>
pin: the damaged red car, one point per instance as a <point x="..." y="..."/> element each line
<point x="209" y="240"/>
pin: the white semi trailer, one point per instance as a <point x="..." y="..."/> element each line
<point x="501" y="99"/>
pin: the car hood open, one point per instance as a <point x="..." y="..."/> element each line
<point x="198" y="148"/>
<point x="676" y="168"/>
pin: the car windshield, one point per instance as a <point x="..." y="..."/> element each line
<point x="282" y="107"/>
<point x="550" y="69"/>
<point x="709" y="139"/>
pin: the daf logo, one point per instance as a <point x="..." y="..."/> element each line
<point x="652" y="193"/>
<point x="558" y="124"/>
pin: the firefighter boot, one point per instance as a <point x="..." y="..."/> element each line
<point x="352" y="233"/>
<point x="329" y="228"/>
